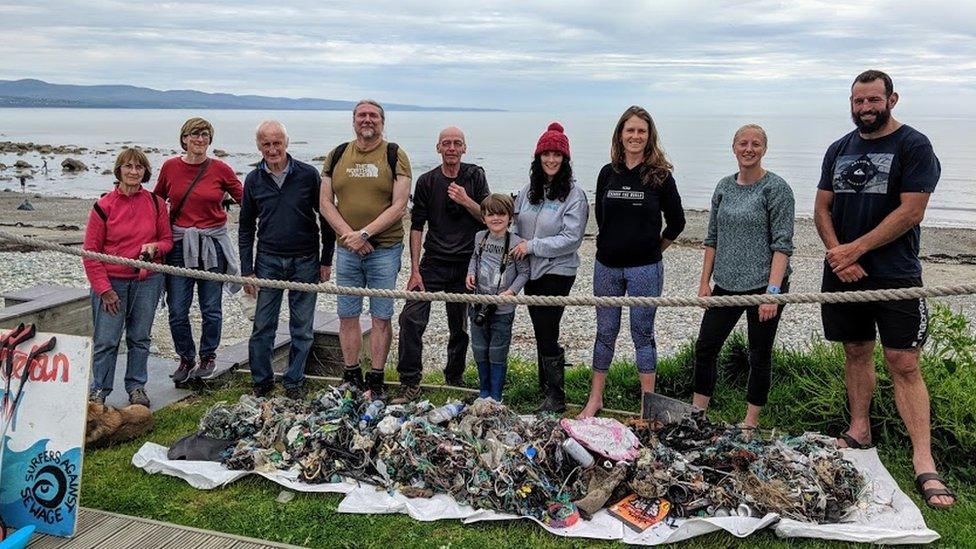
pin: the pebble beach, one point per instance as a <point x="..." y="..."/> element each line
<point x="948" y="258"/>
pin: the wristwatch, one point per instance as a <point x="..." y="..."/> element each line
<point x="364" y="234"/>
<point x="772" y="289"/>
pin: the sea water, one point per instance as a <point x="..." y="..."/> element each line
<point x="501" y="142"/>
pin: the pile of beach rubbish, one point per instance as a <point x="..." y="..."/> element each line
<point x="556" y="470"/>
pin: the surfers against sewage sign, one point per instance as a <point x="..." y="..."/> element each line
<point x="40" y="471"/>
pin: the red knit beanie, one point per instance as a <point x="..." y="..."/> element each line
<point x="553" y="140"/>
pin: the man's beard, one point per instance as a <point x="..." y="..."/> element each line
<point x="367" y="133"/>
<point x="880" y="119"/>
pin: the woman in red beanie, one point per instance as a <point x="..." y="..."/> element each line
<point x="551" y="213"/>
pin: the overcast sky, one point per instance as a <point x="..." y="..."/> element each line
<point x="685" y="56"/>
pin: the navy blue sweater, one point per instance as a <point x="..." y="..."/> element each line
<point x="287" y="218"/>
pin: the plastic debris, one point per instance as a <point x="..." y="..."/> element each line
<point x="285" y="496"/>
<point x="578" y="453"/>
<point x="488" y="457"/>
<point x="708" y="469"/>
<point x="604" y="436"/>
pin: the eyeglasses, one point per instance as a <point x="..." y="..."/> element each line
<point x="202" y="134"/>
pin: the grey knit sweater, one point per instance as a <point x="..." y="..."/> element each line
<point x="747" y="223"/>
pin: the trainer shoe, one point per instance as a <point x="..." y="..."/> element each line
<point x="138" y="396"/>
<point x="97" y="398"/>
<point x="375" y="386"/>
<point x="408" y="393"/>
<point x="182" y="372"/>
<point x="295" y="393"/>
<point x="454" y="381"/>
<point x="354" y="376"/>
<point x="262" y="390"/>
<point x="206" y="368"/>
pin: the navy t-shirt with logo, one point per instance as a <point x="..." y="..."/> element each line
<point x="867" y="177"/>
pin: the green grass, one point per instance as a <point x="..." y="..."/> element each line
<point x="807" y="394"/>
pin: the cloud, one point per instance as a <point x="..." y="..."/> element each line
<point x="691" y="54"/>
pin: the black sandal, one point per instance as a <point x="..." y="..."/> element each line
<point x="929" y="493"/>
<point x="853" y="443"/>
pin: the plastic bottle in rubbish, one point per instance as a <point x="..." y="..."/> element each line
<point x="445" y="412"/>
<point x="372" y="412"/>
<point x="578" y="453"/>
<point x="389" y="425"/>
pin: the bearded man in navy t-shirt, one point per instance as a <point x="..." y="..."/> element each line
<point x="874" y="187"/>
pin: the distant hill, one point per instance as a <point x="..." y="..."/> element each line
<point x="37" y="93"/>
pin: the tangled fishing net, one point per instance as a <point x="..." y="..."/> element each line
<point x="708" y="469"/>
<point x="488" y="457"/>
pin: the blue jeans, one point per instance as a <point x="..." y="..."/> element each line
<point x="489" y="345"/>
<point x="377" y="270"/>
<point x="138" y="300"/>
<point x="301" y="310"/>
<point x="179" y="297"/>
<point x="644" y="281"/>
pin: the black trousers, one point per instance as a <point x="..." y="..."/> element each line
<point x="545" y="320"/>
<point x="716" y="325"/>
<point x="439" y="276"/>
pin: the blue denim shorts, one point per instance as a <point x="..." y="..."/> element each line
<point x="377" y="270"/>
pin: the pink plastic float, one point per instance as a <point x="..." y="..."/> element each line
<point x="604" y="436"/>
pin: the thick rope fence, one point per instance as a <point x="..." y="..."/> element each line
<point x="569" y="301"/>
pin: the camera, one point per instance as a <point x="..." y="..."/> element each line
<point x="483" y="313"/>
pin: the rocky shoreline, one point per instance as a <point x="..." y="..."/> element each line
<point x="948" y="253"/>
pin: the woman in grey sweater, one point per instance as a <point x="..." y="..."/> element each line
<point x="551" y="213"/>
<point x="747" y="251"/>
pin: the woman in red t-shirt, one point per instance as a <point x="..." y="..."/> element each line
<point x="195" y="186"/>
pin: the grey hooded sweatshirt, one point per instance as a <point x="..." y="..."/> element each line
<point x="554" y="230"/>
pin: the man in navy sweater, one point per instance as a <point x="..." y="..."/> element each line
<point x="294" y="242"/>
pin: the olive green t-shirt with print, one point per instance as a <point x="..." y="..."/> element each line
<point x="363" y="187"/>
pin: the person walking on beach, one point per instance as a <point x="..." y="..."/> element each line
<point x="875" y="185"/>
<point x="293" y="243"/>
<point x="492" y="271"/>
<point x="551" y="213"/>
<point x="446" y="199"/>
<point x="194" y="185"/>
<point x="127" y="222"/>
<point x="633" y="193"/>
<point x="365" y="188"/>
<point x="747" y="251"/>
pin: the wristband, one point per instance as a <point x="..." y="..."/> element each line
<point x="772" y="289"/>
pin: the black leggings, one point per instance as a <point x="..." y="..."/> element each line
<point x="545" y="320"/>
<point x="716" y="325"/>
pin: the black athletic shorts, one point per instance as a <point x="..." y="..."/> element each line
<point x="902" y="324"/>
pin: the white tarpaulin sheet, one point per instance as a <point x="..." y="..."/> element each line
<point x="887" y="515"/>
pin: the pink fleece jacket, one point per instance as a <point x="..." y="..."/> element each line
<point x="130" y="222"/>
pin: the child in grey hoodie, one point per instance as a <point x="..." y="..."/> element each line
<point x="493" y="271"/>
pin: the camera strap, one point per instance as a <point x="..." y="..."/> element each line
<point x="502" y="263"/>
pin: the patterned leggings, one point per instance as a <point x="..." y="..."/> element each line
<point x="644" y="280"/>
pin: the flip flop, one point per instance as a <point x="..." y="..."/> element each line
<point x="929" y="493"/>
<point x="853" y="443"/>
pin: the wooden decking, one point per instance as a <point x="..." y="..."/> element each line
<point x="104" y="530"/>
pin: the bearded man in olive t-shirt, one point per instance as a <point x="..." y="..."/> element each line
<point x="365" y="187"/>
